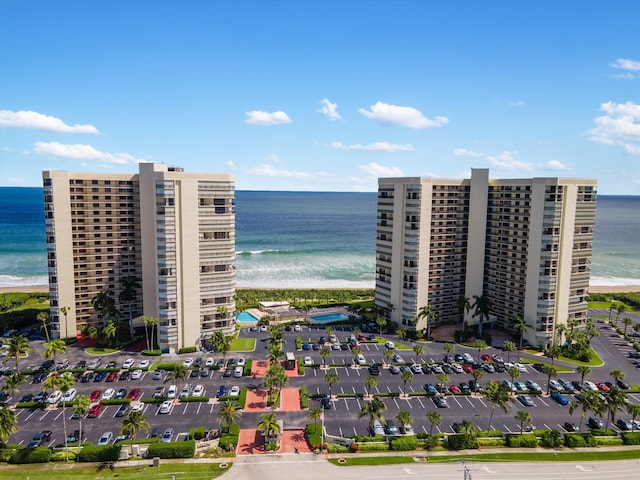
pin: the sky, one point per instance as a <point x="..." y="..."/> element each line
<point x="322" y="95"/>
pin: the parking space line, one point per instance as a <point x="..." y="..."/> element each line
<point x="456" y="400"/>
<point x="31" y="415"/>
<point x="483" y="404"/>
<point x="395" y="400"/>
<point x="420" y="402"/>
<point x="45" y="414"/>
<point x="542" y="400"/>
<point x="346" y="404"/>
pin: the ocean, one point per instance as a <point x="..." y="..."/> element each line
<point x="306" y="239"/>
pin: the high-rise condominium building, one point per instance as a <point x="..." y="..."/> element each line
<point x="169" y="233"/>
<point x="523" y="245"/>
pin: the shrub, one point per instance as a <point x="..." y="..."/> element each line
<point x="197" y="433"/>
<point x="630" y="438"/>
<point x="609" y="441"/>
<point x="194" y="399"/>
<point x="404" y="444"/>
<point x="230" y="438"/>
<point x="242" y="398"/>
<point x="573" y="440"/>
<point x="61" y="457"/>
<point x="373" y="447"/>
<point x="7" y="450"/>
<point x="185" y="449"/>
<point x="116" y="401"/>
<point x="526" y="440"/>
<point x="304" y="397"/>
<point x="31" y="405"/>
<point x="300" y="368"/>
<point x="490" y="433"/>
<point x="152" y="353"/>
<point x="337" y="448"/>
<point x="171" y="366"/>
<point x="491" y="442"/>
<point x="461" y="442"/>
<point x="99" y="453"/>
<point x="187" y="350"/>
<point x="151" y="400"/>
<point x="551" y="439"/>
<point x="601" y="432"/>
<point x="271" y="447"/>
<point x="431" y="441"/>
<point x="364" y="438"/>
<point x="31" y="455"/>
<point x="246" y="371"/>
<point x="313" y="434"/>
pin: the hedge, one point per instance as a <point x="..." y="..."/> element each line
<point x="337" y="448"/>
<point x="526" y="440"/>
<point x="186" y="449"/>
<point x="246" y="371"/>
<point x="242" y="398"/>
<point x="609" y="441"/>
<point x="313" y="434"/>
<point x="461" y="442"/>
<point x="373" y="447"/>
<point x="151" y="400"/>
<point x="304" y="398"/>
<point x="171" y="366"/>
<point x="300" y="369"/>
<point x="31" y="405"/>
<point x="106" y="370"/>
<point x="152" y="353"/>
<point x="366" y="439"/>
<point x="31" y="455"/>
<point x="574" y="440"/>
<point x="116" y="401"/>
<point x="197" y="433"/>
<point x="194" y="399"/>
<point x="231" y="438"/>
<point x="404" y="444"/>
<point x="630" y="438"/>
<point x="139" y="441"/>
<point x="187" y="350"/>
<point x="99" y="453"/>
<point x="62" y="457"/>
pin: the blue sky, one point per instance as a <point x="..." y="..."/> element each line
<point x="322" y="95"/>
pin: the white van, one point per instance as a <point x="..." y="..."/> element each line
<point x="171" y="393"/>
<point x="376" y="428"/>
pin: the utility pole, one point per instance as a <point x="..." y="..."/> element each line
<point x="466" y="472"/>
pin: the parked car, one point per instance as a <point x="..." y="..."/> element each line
<point x="144" y="364"/>
<point x="555" y="385"/>
<point x="112" y="376"/>
<point x="571" y="427"/>
<point x="100" y="377"/>
<point x="128" y="363"/>
<point x="136" y="375"/>
<point x="108" y="394"/>
<point x="390" y="345"/>
<point x="188" y="362"/>
<point x="158" y="375"/>
<point x="440" y="402"/>
<point x="121" y="393"/>
<point x="123" y="410"/>
<point x="134" y="394"/>
<point x="374" y="369"/>
<point x="595" y="422"/>
<point x="159" y="392"/>
<point x="210" y="362"/>
<point x="27" y="398"/>
<point x="105" y="439"/>
<point x="75" y="436"/>
<point x="394" y="369"/>
<point x="325" y="403"/>
<point x="124" y="375"/>
<point x="166" y="407"/>
<point x="167" y="435"/>
<point x="417" y="369"/>
<point x="40" y="438"/>
<point x="235" y="391"/>
<point x="54" y="397"/>
<point x="198" y="391"/>
<point x="172" y="391"/>
<point x="430" y="389"/>
<point x="623" y="424"/>
<point x="238" y="371"/>
<point x="376" y="428"/>
<point x="95" y="410"/>
<point x="70" y="395"/>
<point x="391" y="428"/>
<point x="222" y="391"/>
<point x="186" y="391"/>
<point x="533" y="386"/>
<point x="525" y="400"/>
<point x="360" y="358"/>
<point x="397" y="358"/>
<point x="560" y="398"/>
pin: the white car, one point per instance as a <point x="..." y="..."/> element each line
<point x="210" y="362"/>
<point x="108" y="394"/>
<point x="234" y="392"/>
<point x="238" y="371"/>
<point x="241" y="362"/>
<point x="297" y="328"/>
<point x="105" y="439"/>
<point x="264" y="328"/>
<point x="138" y="407"/>
<point x="70" y="395"/>
<point x="55" y="397"/>
<point x="398" y="359"/>
<point x="390" y="345"/>
<point x="308" y="361"/>
<point x="144" y="364"/>
<point x="128" y="363"/>
<point x="166" y="407"/>
<point x="520" y="367"/>
<point x="187" y="363"/>
<point x="172" y="391"/>
<point x="136" y="375"/>
<point x="587" y="385"/>
<point x="457" y="368"/>
<point x="198" y="391"/>
<point x="361" y="359"/>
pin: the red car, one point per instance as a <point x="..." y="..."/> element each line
<point x="134" y="394"/>
<point x="486" y="358"/>
<point x="112" y="376"/>
<point x="454" y="388"/>
<point x="95" y="410"/>
<point x="95" y="395"/>
<point x="467" y="368"/>
<point x="602" y="386"/>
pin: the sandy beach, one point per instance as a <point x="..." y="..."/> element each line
<point x="594" y="289"/>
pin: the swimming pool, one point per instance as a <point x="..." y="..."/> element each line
<point x="332" y="317"/>
<point x="245" y="317"/>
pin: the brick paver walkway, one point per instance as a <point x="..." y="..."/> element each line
<point x="250" y="442"/>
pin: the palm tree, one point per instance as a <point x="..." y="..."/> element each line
<point x="404" y="418"/>
<point x="561" y="331"/>
<point x="449" y="348"/>
<point x="627" y="323"/>
<point x="551" y="371"/>
<point x="228" y="414"/>
<point x="616" y="402"/>
<point x="80" y="408"/>
<point x="64" y="383"/>
<point x="477" y="375"/>
<point x="356" y="351"/>
<point x="324" y="353"/>
<point x="314" y="414"/>
<point x="406" y="376"/>
<point x="180" y="373"/>
<point x="269" y="426"/>
<point x="481" y="309"/>
<point x="18" y="347"/>
<point x="480" y="345"/>
<point x="443" y="379"/>
<point x="617" y="375"/>
<point x="418" y="349"/>
<point x="149" y="322"/>
<point x="435" y="419"/>
<point x="110" y="330"/>
<point x="372" y="409"/>
<point x="381" y="322"/>
<point x="402" y="333"/>
<point x="53" y="347"/>
<point x="8" y="424"/>
<point x="634" y="411"/>
<point x="44" y="318"/>
<point x="92" y="332"/>
<point x="221" y="343"/>
<point x="387" y="354"/>
<point x="332" y="379"/>
<point x="128" y="295"/>
<point x="588" y="400"/>
<point x="429" y="315"/>
<point x="513" y="373"/>
<point x="583" y="370"/>
<point x="135" y="422"/>
<point x="498" y="395"/>
<point x="370" y="382"/>
<point x="275" y="354"/>
<point x="64" y="311"/>
<point x="104" y="305"/>
<point x="553" y="353"/>
<point x="523" y="416"/>
<point x="509" y="347"/>
<point x="464" y="306"/>
<point x="11" y="382"/>
<point x="520" y="325"/>
<point x="620" y="308"/>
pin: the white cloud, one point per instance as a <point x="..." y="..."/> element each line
<point x="80" y="151"/>
<point x="517" y="103"/>
<point x="378" y="170"/>
<point x="463" y="152"/>
<point x="272" y="158"/>
<point x="38" y="121"/>
<point x="376" y="146"/>
<point x="257" y="117"/>
<point x="620" y="126"/>
<point x="231" y="165"/>
<point x="507" y="161"/>
<point x="329" y="110"/>
<point x="404" y="116"/>
<point x="269" y="171"/>
<point x="556" y="165"/>
<point x="626" y="64"/>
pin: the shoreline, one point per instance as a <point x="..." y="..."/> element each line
<point x="593" y="289"/>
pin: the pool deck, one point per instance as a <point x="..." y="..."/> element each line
<point x="328" y="311"/>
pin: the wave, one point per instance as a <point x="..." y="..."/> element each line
<point x="248" y="253"/>
<point x="613" y="281"/>
<point x="8" y="281"/>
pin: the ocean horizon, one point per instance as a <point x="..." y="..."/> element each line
<point x="305" y="239"/>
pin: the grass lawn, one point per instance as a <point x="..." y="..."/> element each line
<point x="354" y="461"/>
<point x="538" y="362"/>
<point x="595" y="361"/>
<point x="243" y="345"/>
<point x="181" y="471"/>
<point x="100" y="350"/>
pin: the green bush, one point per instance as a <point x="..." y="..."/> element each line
<point x="246" y="370"/>
<point x="197" y="433"/>
<point x="194" y="399"/>
<point x="366" y="439"/>
<point x="31" y="405"/>
<point x="461" y="442"/>
<point x="601" y="432"/>
<point x="404" y="444"/>
<point x="187" y="350"/>
<point x="139" y="441"/>
<point x="106" y="370"/>
<point x="61" y="456"/>
<point x="230" y="438"/>
<point x="99" y="453"/>
<point x="116" y="401"/>
<point x="151" y="400"/>
<point x="609" y="441"/>
<point x="630" y="438"/>
<point x="431" y="441"/>
<point x="373" y="447"/>
<point x="574" y="440"/>
<point x="185" y="449"/>
<point x="337" y="448"/>
<point x="551" y="439"/>
<point x="490" y="433"/>
<point x="300" y="368"/>
<point x="169" y="366"/>
<point x="242" y="398"/>
<point x="31" y="455"/>
<point x="6" y="450"/>
<point x="271" y="447"/>
<point x="152" y="353"/>
<point x="526" y="440"/>
<point x="491" y="442"/>
<point x="304" y="398"/>
<point x="313" y="434"/>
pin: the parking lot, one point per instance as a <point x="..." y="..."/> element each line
<point x="341" y="418"/>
